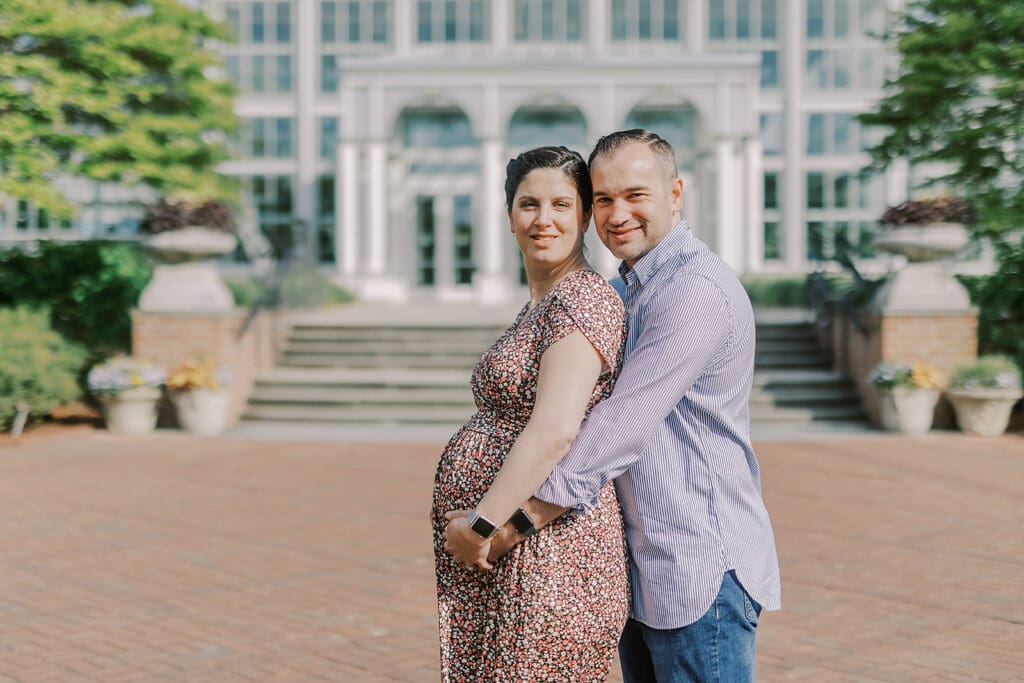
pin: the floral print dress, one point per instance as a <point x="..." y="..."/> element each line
<point x="552" y="609"/>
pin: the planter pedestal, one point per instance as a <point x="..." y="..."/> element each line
<point x="186" y="279"/>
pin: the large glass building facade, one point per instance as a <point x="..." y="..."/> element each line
<point x="384" y="125"/>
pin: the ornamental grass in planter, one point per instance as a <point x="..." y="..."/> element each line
<point x="983" y="394"/>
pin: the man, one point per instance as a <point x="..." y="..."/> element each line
<point x="674" y="435"/>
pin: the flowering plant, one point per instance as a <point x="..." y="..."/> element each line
<point x="907" y="376"/>
<point x="198" y="374"/>
<point x="122" y="373"/>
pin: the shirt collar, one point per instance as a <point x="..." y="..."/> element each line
<point x="674" y="243"/>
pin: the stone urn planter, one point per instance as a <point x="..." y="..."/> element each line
<point x="128" y="391"/>
<point x="983" y="412"/>
<point x="983" y="394"/>
<point x="202" y="412"/>
<point x="924" y="232"/>
<point x="183" y="242"/>
<point x="198" y="392"/>
<point x="133" y="411"/>
<point x="908" y="395"/>
<point x="908" y="411"/>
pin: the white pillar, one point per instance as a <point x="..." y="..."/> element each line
<point x="306" y="128"/>
<point x="604" y="122"/>
<point x="347" y="214"/>
<point x="794" y="242"/>
<point x="490" y="281"/>
<point x="754" y="219"/>
<point x="405" y="26"/>
<point x="897" y="182"/>
<point x="378" y="282"/>
<point x="599" y="11"/>
<point x="694" y="25"/>
<point x="376" y="169"/>
<point x="500" y="26"/>
<point x="728" y="236"/>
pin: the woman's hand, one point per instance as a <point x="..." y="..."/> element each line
<point x="465" y="545"/>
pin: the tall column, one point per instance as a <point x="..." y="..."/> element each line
<point x="347" y="215"/>
<point x="728" y="235"/>
<point x="599" y="11"/>
<point x="694" y="22"/>
<point x="794" y="242"/>
<point x="500" y="28"/>
<point x="376" y="169"/>
<point x="897" y="182"/>
<point x="604" y="122"/>
<point x="404" y="26"/>
<point x="754" y="219"/>
<point x="491" y="281"/>
<point x="306" y="128"/>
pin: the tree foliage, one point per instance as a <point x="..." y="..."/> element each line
<point x="110" y="90"/>
<point x="957" y="102"/>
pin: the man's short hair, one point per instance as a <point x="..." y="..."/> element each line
<point x="662" y="151"/>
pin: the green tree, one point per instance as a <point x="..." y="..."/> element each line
<point x="957" y="101"/>
<point x="110" y="90"/>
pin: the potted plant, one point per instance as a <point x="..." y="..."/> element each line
<point x="198" y="391"/>
<point x="983" y="394"/>
<point x="183" y="238"/>
<point x="908" y="396"/>
<point x="923" y="231"/>
<point x="128" y="391"/>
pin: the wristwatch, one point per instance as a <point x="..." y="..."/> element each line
<point x="523" y="523"/>
<point x="484" y="527"/>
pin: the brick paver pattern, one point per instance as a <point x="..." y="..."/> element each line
<point x="168" y="558"/>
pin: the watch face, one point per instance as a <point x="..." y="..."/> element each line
<point x="483" y="526"/>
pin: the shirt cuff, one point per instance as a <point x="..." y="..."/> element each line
<point x="567" y="490"/>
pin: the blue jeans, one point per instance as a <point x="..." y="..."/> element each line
<point x="717" y="648"/>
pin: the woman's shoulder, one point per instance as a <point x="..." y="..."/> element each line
<point x="588" y="290"/>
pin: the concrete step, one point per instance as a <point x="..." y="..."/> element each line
<point x="790" y="361"/>
<point x="361" y="394"/>
<point x="483" y="334"/>
<point x="837" y="413"/>
<point x="361" y="414"/>
<point x="364" y="360"/>
<point x="385" y="346"/>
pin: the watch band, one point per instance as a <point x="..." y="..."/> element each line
<point x="523" y="523"/>
<point x="481" y="525"/>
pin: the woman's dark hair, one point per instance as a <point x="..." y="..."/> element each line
<point x="569" y="162"/>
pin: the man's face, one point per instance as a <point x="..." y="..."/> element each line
<point x="635" y="205"/>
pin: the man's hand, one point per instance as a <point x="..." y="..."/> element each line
<point x="465" y="545"/>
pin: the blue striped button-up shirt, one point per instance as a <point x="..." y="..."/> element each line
<point x="675" y="436"/>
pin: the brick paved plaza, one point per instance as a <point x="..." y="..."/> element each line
<point x="175" y="559"/>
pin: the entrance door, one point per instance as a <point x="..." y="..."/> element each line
<point x="444" y="243"/>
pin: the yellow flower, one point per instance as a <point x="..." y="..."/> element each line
<point x="924" y="376"/>
<point x="193" y="375"/>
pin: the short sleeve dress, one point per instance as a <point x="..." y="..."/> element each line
<point x="553" y="609"/>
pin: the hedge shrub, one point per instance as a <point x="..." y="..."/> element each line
<point x="1000" y="301"/>
<point x="88" y="287"/>
<point x="37" y="365"/>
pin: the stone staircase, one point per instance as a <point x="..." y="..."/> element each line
<point x="416" y="372"/>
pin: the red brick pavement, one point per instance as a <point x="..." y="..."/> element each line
<point x="174" y="559"/>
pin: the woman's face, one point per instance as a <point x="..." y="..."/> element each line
<point x="547" y="217"/>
